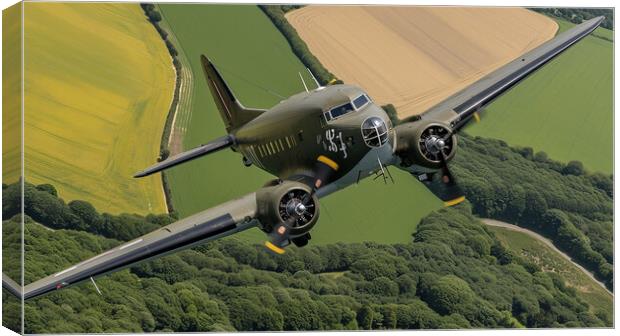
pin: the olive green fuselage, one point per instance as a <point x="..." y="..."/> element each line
<point x="287" y="139"/>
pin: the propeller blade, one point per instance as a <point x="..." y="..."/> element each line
<point x="477" y="117"/>
<point x="280" y="236"/>
<point x="453" y="194"/>
<point x="442" y="184"/>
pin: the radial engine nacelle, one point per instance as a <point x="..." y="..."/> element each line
<point x="424" y="146"/>
<point x="287" y="211"/>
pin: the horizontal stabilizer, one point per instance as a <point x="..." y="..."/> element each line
<point x="211" y="147"/>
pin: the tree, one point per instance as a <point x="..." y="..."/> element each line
<point x="300" y="315"/>
<point x="541" y="157"/>
<point x="449" y="294"/>
<point x="390" y="110"/>
<point x="154" y="16"/>
<point x="573" y="168"/>
<point x="86" y="212"/>
<point x="365" y="317"/>
<point x="382" y="286"/>
<point x="48" y="188"/>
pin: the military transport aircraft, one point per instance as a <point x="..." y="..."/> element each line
<point x="316" y="143"/>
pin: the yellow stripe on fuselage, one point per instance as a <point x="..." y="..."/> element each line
<point x="331" y="163"/>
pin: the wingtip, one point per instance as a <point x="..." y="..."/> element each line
<point x="598" y="19"/>
<point x="142" y="174"/>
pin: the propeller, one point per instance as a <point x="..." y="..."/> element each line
<point x="297" y="208"/>
<point x="435" y="144"/>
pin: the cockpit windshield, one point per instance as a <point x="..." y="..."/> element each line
<point x="341" y="110"/>
<point x="338" y="111"/>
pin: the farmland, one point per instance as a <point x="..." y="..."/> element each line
<point x="11" y="94"/>
<point x="257" y="62"/>
<point x="98" y="85"/>
<point x="565" y="109"/>
<point x="551" y="261"/>
<point x="414" y="57"/>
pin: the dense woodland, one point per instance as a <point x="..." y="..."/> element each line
<point x="564" y="202"/>
<point x="454" y="274"/>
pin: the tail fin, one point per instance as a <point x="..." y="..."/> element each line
<point x="232" y="111"/>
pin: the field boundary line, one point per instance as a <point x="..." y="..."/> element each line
<point x="183" y="111"/>
<point x="164" y="149"/>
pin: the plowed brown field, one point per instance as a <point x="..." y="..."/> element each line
<point x="414" y="57"/>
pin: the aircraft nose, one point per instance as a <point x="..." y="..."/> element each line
<point x="375" y="132"/>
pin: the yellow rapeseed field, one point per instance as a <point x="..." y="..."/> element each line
<point x="98" y="85"/>
<point x="11" y="98"/>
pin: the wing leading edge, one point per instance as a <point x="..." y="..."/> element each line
<point x="217" y="222"/>
<point x="460" y="107"/>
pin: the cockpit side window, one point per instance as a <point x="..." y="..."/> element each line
<point x="360" y="102"/>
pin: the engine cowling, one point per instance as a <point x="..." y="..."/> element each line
<point x="420" y="144"/>
<point x="287" y="202"/>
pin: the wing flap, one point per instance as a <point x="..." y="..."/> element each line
<point x="223" y="220"/>
<point x="460" y="107"/>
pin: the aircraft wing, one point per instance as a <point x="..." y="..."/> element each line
<point x="222" y="220"/>
<point x="459" y="108"/>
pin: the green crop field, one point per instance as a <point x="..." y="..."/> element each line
<point x="565" y="109"/>
<point x="256" y="61"/>
<point x="551" y="261"/>
<point x="98" y="86"/>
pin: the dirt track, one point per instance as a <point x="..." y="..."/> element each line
<point x="492" y="222"/>
<point x="414" y="57"/>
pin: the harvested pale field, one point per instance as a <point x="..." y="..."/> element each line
<point x="414" y="57"/>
